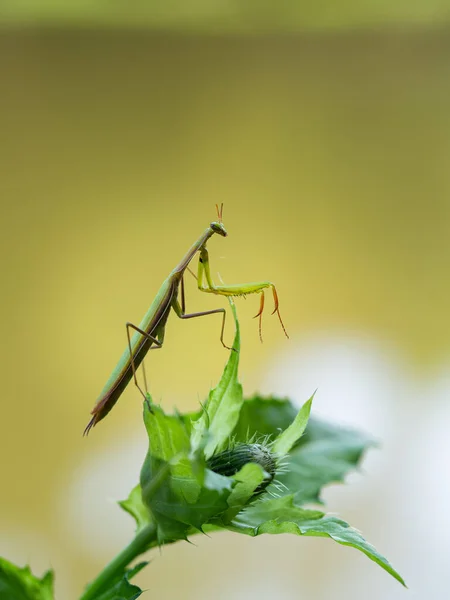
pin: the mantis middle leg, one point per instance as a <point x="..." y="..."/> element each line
<point x="180" y="310"/>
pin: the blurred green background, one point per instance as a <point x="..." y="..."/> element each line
<point x="231" y="16"/>
<point x="325" y="130"/>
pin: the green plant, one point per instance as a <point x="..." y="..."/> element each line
<point x="244" y="465"/>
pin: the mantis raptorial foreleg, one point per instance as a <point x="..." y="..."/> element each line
<point x="236" y="289"/>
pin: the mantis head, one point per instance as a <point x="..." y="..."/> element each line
<point x="217" y="226"/>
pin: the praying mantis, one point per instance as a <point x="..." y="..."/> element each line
<point x="149" y="335"/>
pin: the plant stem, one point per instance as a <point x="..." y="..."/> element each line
<point x="118" y="564"/>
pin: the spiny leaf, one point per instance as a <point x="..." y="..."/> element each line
<point x="283" y="516"/>
<point x="286" y="440"/>
<point x="136" y="508"/>
<point x="18" y="583"/>
<point x="274" y="510"/>
<point x="325" y="454"/>
<point x="210" y="503"/>
<point x="221" y="412"/>
<point x="120" y="587"/>
<point x="190" y="494"/>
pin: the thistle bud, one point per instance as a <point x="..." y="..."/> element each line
<point x="230" y="461"/>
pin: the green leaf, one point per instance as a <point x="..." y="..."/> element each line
<point x="247" y="481"/>
<point x="210" y="503"/>
<point x="283" y="516"/>
<point x="176" y="518"/>
<point x="18" y="583"/>
<point x="167" y="434"/>
<point x="121" y="588"/>
<point x="135" y="506"/>
<point x="190" y="494"/>
<point x="263" y="416"/>
<point x="286" y="440"/>
<point x="325" y="454"/>
<point x="168" y="440"/>
<point x="256" y="519"/>
<point x="221" y="411"/>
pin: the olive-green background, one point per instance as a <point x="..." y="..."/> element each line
<point x="330" y="151"/>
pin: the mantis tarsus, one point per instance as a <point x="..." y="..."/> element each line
<point x="149" y="335"/>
